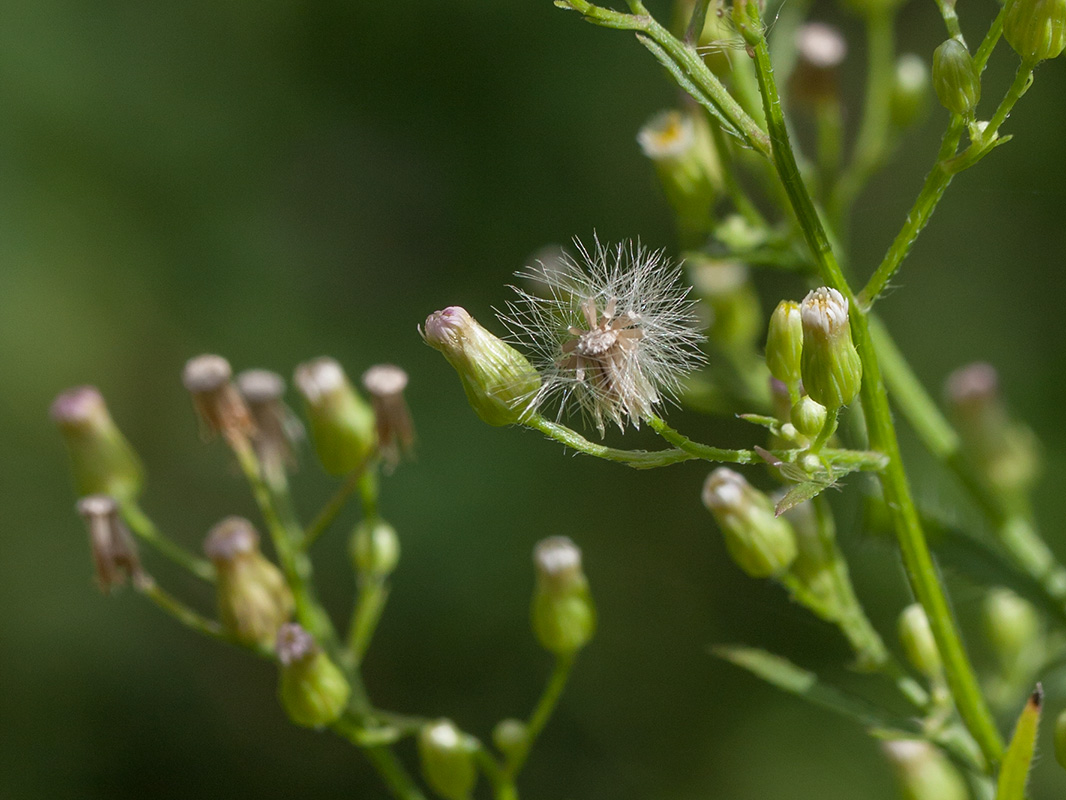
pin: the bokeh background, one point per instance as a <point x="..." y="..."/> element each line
<point x="279" y="180"/>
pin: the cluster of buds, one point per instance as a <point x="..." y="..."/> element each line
<point x="253" y="599"/>
<point x="312" y="689"/>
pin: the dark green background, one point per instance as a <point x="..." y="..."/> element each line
<point x="277" y="180"/>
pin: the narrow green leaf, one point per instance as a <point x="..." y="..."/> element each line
<point x="1015" y="770"/>
<point x="800" y="493"/>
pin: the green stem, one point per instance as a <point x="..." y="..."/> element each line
<point x="914" y="548"/>
<point x="638" y="459"/>
<point x="333" y="508"/>
<point x="388" y="766"/>
<point x="373" y="594"/>
<point x="142" y="525"/>
<point x="701" y="451"/>
<point x="741" y="202"/>
<point x="542" y="712"/>
<point x="951" y="19"/>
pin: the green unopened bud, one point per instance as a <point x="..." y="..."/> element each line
<point x="1060" y="739"/>
<point x="375" y="549"/>
<point x="808" y="416"/>
<point x="910" y="91"/>
<point x="563" y="614"/>
<point x="918" y="643"/>
<point x="784" y="343"/>
<point x="820" y="50"/>
<point x="1003" y="452"/>
<point x="114" y="553"/>
<point x="1011" y="625"/>
<point x="220" y="406"/>
<point x="762" y="544"/>
<point x="447" y="756"/>
<point x="342" y="423"/>
<point x="955" y="78"/>
<point x="101" y="459"/>
<point x="312" y="689"/>
<point x="499" y="382"/>
<point x="924" y="772"/>
<point x="831" y="368"/>
<point x="680" y="147"/>
<point x="253" y="599"/>
<point x="726" y="288"/>
<point x="1036" y="29"/>
<point x="511" y="737"/>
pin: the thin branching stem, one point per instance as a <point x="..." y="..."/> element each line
<point x="141" y="524"/>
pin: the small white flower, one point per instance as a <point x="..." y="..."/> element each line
<point x="612" y="330"/>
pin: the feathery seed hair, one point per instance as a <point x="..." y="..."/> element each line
<point x="612" y="330"/>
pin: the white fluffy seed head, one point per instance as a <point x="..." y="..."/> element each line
<point x="669" y="134"/>
<point x="825" y="310"/>
<point x="611" y="330"/>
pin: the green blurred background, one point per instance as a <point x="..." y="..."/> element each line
<point x="278" y="180"/>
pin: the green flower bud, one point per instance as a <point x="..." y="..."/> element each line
<point x="499" y="382"/>
<point x="375" y="549"/>
<point x="101" y="459"/>
<point x="784" y="343"/>
<point x="1003" y="452"/>
<point x="218" y="403"/>
<point x="1036" y="29"/>
<point x="563" y="615"/>
<point x="447" y="756"/>
<point x="680" y="147"/>
<point x="762" y="544"/>
<point x="342" y="423"/>
<point x="511" y="737"/>
<point x="735" y="312"/>
<point x="831" y="368"/>
<point x="955" y="78"/>
<point x="1011" y="625"/>
<point x="253" y="599"/>
<point x="924" y="772"/>
<point x="113" y="550"/>
<point x="1060" y="739"/>
<point x="312" y="689"/>
<point x="918" y="643"/>
<point x="808" y="416"/>
<point x="910" y="91"/>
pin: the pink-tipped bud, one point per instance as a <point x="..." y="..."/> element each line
<point x="312" y="689"/>
<point x="218" y="403"/>
<point x="101" y="459"/>
<point x="113" y="550"/>
<point x="499" y="382"/>
<point x="385" y="384"/>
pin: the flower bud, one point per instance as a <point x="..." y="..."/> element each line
<point x="762" y="544"/>
<point x="808" y="417"/>
<point x="113" y="550"/>
<point x="342" y="424"/>
<point x="311" y="688"/>
<point x="918" y="643"/>
<point x="396" y="433"/>
<point x="447" y="756"/>
<point x="831" y="368"/>
<point x="1011" y="625"/>
<point x="1060" y="739"/>
<point x="784" y="343"/>
<point x="955" y="78"/>
<point x="1036" y="29"/>
<point x="1001" y="451"/>
<point x="253" y="598"/>
<point x="101" y="459"/>
<point x="910" y="91"/>
<point x="375" y="549"/>
<point x="564" y="617"/>
<point x="820" y="50"/>
<point x="276" y="427"/>
<point x="499" y="382"/>
<point x="725" y="287"/>
<point x="680" y="147"/>
<point x="218" y="403"/>
<point x="511" y="737"/>
<point x="924" y="772"/>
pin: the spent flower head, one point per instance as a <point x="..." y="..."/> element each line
<point x="612" y="330"/>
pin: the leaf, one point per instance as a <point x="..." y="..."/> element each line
<point x="770" y="423"/>
<point x="785" y="675"/>
<point x="1014" y="772"/>
<point x="800" y="493"/>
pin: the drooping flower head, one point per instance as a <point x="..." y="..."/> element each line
<point x="612" y="330"/>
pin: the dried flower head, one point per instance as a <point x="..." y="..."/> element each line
<point x="614" y="331"/>
<point x="396" y="434"/>
<point x="114" y="553"/>
<point x="218" y="403"/>
<point x="277" y="427"/>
